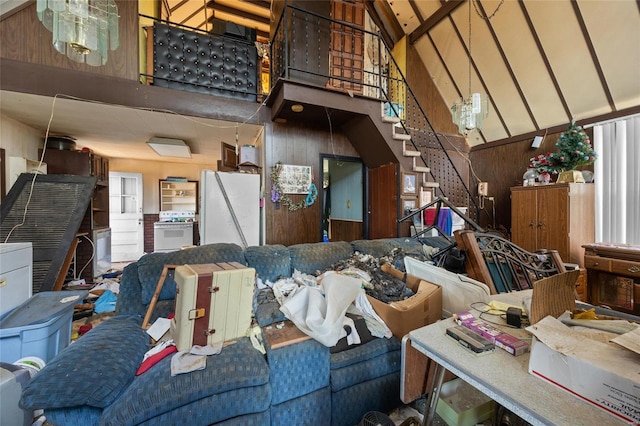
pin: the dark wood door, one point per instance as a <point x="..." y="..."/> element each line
<point x="347" y="45"/>
<point x="524" y="218"/>
<point x="383" y="199"/>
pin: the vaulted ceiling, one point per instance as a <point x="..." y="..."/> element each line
<point x="541" y="63"/>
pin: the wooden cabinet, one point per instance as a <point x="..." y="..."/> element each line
<point x="85" y="163"/>
<point x="176" y="195"/>
<point x="557" y="217"/>
<point x="613" y="273"/>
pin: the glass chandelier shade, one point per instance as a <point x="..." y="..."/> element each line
<point x="468" y="113"/>
<point x="83" y="30"/>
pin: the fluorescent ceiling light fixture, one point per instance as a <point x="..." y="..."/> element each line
<point x="165" y="147"/>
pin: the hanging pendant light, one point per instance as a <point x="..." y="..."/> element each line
<point x="468" y="113"/>
<point x="83" y="30"/>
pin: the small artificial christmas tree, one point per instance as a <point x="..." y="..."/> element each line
<point x="574" y="149"/>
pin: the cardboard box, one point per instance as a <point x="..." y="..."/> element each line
<point x="605" y="375"/>
<point x="424" y="307"/>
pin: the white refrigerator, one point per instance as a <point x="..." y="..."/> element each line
<point x="230" y="208"/>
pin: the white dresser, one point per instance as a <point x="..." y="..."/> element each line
<point x="16" y="261"/>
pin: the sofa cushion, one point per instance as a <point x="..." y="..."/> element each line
<point x="150" y="266"/>
<point x="82" y="415"/>
<point x="386" y="363"/>
<point x="298" y="369"/>
<point x="239" y="367"/>
<point x="364" y="352"/>
<point x="270" y="262"/>
<point x="93" y="370"/>
<point x="312" y="257"/>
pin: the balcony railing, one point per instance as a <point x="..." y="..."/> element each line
<point x="317" y="50"/>
<point x="186" y="58"/>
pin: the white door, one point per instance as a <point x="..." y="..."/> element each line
<point x="125" y="216"/>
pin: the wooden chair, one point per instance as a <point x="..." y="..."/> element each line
<point x="504" y="266"/>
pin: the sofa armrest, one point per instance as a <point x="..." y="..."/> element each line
<point x="129" y="300"/>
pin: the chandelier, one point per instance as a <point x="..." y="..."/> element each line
<point x="468" y="113"/>
<point x="83" y="30"/>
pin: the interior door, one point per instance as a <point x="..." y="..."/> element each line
<point x="343" y="198"/>
<point x="553" y="220"/>
<point x="524" y="218"/>
<point x="125" y="216"/>
<point x="383" y="201"/>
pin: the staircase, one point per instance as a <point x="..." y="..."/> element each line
<point x="408" y="149"/>
<point x="409" y="139"/>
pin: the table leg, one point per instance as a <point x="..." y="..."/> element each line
<point x="434" y="394"/>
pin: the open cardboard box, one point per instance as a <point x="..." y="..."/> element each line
<point x="424" y="307"/>
<point x="605" y="375"/>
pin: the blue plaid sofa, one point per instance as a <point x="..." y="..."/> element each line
<point x="93" y="382"/>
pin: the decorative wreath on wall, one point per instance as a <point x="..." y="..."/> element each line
<point x="277" y="195"/>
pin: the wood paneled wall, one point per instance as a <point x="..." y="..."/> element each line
<point x="298" y="144"/>
<point x="429" y="97"/>
<point x="24" y="38"/>
<point x="502" y="166"/>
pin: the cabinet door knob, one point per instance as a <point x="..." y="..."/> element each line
<point x="531" y="224"/>
<point x="633" y="269"/>
<point x="540" y="224"/>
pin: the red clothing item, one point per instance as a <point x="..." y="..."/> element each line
<point x="155" y="358"/>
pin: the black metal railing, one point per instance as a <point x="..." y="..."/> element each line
<point x="317" y="50"/>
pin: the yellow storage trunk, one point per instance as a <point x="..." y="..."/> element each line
<point x="213" y="303"/>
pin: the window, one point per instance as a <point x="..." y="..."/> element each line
<point x="617" y="180"/>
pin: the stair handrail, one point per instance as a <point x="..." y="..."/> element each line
<point x="383" y="93"/>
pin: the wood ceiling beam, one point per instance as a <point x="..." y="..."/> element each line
<point x="560" y="128"/>
<point x="373" y="13"/>
<point x="236" y="12"/>
<point x="416" y="11"/>
<point x="594" y="56"/>
<point x="507" y="65"/>
<point x="433" y="20"/>
<point x="263" y="4"/>
<point x="545" y="59"/>
<point x="477" y="71"/>
<point x="388" y="20"/>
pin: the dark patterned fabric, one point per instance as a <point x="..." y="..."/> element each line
<point x="349" y="405"/>
<point x="74" y="416"/>
<point x="92" y="371"/>
<point x="205" y="63"/>
<point x="383" y="247"/>
<point x="216" y="408"/>
<point x="312" y="257"/>
<point x="129" y="300"/>
<point x="310" y="409"/>
<point x="150" y="266"/>
<point x="266" y="308"/>
<point x="257" y="419"/>
<point x="364" y="352"/>
<point x="271" y="262"/>
<point x="373" y="368"/>
<point x="239" y="370"/>
<point x="298" y="369"/>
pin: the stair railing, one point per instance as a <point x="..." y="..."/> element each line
<point x="379" y="76"/>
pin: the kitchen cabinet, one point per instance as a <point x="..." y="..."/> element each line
<point x="556" y="217"/>
<point x="85" y="163"/>
<point x="613" y="274"/>
<point x="178" y="195"/>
